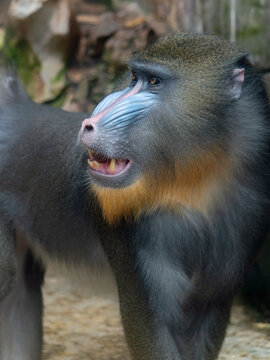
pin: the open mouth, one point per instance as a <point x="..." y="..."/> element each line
<point x="106" y="166"/>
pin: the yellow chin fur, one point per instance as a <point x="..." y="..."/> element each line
<point x="193" y="185"/>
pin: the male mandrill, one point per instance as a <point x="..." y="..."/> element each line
<point x="165" y="188"/>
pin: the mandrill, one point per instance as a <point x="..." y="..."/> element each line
<point x="163" y="193"/>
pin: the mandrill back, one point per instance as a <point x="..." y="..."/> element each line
<point x="165" y="186"/>
<point x="44" y="191"/>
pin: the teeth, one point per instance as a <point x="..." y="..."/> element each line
<point x="96" y="164"/>
<point x="93" y="164"/>
<point x="112" y="165"/>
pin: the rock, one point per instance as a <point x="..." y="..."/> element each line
<point x="84" y="7"/>
<point x="106" y="27"/>
<point x="44" y="29"/>
<point x="23" y="9"/>
<point x="137" y="31"/>
<point x="93" y="36"/>
<point x="129" y="10"/>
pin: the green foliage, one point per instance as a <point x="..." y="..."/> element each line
<point x="257" y="3"/>
<point x="59" y="100"/>
<point x="250" y="31"/>
<point x="17" y="51"/>
<point x="2" y="39"/>
<point x="107" y="3"/>
<point x="59" y="76"/>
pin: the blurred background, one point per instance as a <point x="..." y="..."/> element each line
<point x="69" y="53"/>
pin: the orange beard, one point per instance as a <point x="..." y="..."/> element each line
<point x="194" y="186"/>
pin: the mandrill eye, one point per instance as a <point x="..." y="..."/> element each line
<point x="154" y="81"/>
<point x="134" y="79"/>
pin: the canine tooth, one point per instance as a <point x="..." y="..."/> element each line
<point x="96" y="164"/>
<point x="93" y="164"/>
<point x="91" y="153"/>
<point x="112" y="165"/>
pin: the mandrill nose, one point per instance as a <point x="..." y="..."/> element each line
<point x="87" y="126"/>
<point x="87" y="132"/>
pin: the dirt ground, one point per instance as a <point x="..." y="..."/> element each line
<point x="77" y="327"/>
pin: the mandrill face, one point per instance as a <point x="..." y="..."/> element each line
<point x="158" y="140"/>
<point x="120" y="134"/>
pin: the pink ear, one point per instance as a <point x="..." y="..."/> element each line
<point x="237" y="81"/>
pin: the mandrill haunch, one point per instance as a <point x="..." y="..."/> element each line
<point x="164" y="194"/>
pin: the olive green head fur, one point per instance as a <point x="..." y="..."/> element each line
<point x="191" y="50"/>
<point x="203" y="64"/>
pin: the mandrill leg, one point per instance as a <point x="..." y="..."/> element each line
<point x="8" y="266"/>
<point x="198" y="335"/>
<point x="21" y="310"/>
<point x="202" y="331"/>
